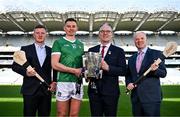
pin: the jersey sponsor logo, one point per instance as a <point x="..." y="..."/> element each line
<point x="66" y="45"/>
<point x="59" y="94"/>
<point x="80" y="47"/>
<point x="73" y="45"/>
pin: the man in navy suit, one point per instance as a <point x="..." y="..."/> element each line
<point x="146" y="96"/>
<point x="36" y="96"/>
<point x="104" y="93"/>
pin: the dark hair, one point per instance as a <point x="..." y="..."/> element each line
<point x="70" y="19"/>
<point x="40" y="26"/>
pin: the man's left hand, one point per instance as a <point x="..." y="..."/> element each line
<point x="53" y="87"/>
<point x="154" y="66"/>
<point x="104" y="65"/>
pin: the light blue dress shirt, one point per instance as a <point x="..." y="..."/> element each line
<point x="41" y="53"/>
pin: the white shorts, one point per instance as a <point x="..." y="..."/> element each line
<point x="67" y="90"/>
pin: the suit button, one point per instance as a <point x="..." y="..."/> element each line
<point x="40" y="83"/>
<point x="138" y="75"/>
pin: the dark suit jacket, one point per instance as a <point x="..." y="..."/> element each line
<point x="148" y="90"/>
<point x="115" y="58"/>
<point x="31" y="84"/>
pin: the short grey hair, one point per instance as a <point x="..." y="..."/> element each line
<point x="139" y="32"/>
<point x="105" y="24"/>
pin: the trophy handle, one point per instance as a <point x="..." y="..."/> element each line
<point x="85" y="74"/>
<point x="101" y="72"/>
<point x="84" y="62"/>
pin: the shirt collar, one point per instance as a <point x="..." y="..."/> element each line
<point x="72" y="41"/>
<point x="107" y="45"/>
<point x="42" y="46"/>
<point x="143" y="50"/>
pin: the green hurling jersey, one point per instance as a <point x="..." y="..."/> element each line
<point x="70" y="56"/>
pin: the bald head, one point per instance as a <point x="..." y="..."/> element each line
<point x="140" y="40"/>
<point x="140" y="33"/>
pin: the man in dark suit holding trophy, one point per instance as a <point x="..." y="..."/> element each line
<point x="104" y="92"/>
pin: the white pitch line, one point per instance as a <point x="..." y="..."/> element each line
<point x="21" y="100"/>
<point x="84" y="100"/>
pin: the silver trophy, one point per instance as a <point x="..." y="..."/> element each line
<point x="92" y="65"/>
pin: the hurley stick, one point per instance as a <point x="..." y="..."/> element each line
<point x="20" y="58"/>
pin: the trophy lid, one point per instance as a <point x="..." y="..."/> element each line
<point x="93" y="54"/>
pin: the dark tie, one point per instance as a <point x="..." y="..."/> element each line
<point x="102" y="51"/>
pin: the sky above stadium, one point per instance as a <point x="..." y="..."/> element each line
<point x="89" y="5"/>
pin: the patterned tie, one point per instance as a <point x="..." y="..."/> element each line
<point x="139" y="61"/>
<point x="102" y="51"/>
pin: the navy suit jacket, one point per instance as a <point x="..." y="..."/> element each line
<point x="148" y="90"/>
<point x="31" y="84"/>
<point x="115" y="58"/>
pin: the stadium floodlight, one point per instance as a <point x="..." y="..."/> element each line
<point x="15" y="33"/>
<point x="167" y="32"/>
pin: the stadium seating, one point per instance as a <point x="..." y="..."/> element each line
<point x="12" y="43"/>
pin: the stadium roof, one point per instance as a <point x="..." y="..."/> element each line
<point x="90" y="22"/>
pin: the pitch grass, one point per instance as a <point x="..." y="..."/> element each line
<point x="11" y="102"/>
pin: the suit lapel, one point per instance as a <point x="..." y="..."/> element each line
<point x="48" y="54"/>
<point x="145" y="60"/>
<point x="109" y="51"/>
<point x="133" y="64"/>
<point x="97" y="49"/>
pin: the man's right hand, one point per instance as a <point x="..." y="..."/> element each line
<point x="30" y="72"/>
<point x="77" y="72"/>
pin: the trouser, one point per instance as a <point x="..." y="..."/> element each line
<point x="39" y="102"/>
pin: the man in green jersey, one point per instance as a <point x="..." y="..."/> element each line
<point x="67" y="60"/>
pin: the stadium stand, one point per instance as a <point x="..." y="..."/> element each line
<point x="126" y="42"/>
<point x="90" y="22"/>
<point x="124" y="25"/>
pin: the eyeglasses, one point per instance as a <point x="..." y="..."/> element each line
<point x="105" y="31"/>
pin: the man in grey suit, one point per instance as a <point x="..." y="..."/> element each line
<point x="146" y="96"/>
